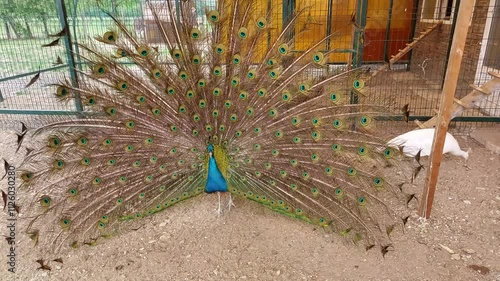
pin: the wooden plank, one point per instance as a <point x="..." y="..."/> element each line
<point x="445" y="108"/>
<point x="494" y="74"/>
<point x="409" y="46"/>
<point x="479" y="89"/>
<point x="470" y="100"/>
<point x="459" y="102"/>
<point x="419" y="124"/>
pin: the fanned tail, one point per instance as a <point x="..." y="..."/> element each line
<point x="283" y="135"/>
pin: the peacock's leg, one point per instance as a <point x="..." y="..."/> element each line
<point x="219" y="209"/>
<point x="230" y="202"/>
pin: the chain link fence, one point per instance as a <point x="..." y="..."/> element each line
<point x="363" y="33"/>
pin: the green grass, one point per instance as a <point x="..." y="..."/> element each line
<point x="19" y="56"/>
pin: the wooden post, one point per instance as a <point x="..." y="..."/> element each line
<point x="445" y="108"/>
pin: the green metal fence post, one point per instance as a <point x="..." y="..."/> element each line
<point x="359" y="40"/>
<point x="414" y="18"/>
<point x="77" y="49"/>
<point x="63" y="19"/>
<point x="359" y="34"/>
<point x="288" y="9"/>
<point x="178" y="10"/>
<point x="388" y="31"/>
<point x="329" y="24"/>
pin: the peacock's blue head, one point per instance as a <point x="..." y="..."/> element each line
<point x="210" y="148"/>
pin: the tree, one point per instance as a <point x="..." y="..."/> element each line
<point x="17" y="15"/>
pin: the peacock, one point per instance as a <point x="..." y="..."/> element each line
<point x="234" y="106"/>
<point x="420" y="142"/>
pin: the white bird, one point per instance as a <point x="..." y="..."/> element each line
<point x="421" y="140"/>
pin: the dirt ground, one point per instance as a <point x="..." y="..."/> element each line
<point x="189" y="242"/>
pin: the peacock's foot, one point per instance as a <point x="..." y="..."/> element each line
<point x="230" y="203"/>
<point x="218" y="211"/>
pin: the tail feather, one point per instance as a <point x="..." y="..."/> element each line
<point x="282" y="136"/>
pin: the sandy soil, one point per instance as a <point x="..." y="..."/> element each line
<point x="189" y="242"/>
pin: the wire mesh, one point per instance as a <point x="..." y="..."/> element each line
<point x="415" y="78"/>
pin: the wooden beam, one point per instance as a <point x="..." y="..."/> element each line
<point x="479" y="89"/>
<point x="419" y="124"/>
<point x="445" y="108"/>
<point x="409" y="46"/>
<point x="470" y="100"/>
<point x="402" y="52"/>
<point x="494" y="74"/>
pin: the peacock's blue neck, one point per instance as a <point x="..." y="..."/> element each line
<point x="215" y="180"/>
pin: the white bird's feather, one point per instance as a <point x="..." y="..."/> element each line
<point x="421" y="140"/>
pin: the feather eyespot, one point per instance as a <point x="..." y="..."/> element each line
<point x="261" y="23"/>
<point x="358" y="84"/>
<point x="83" y="141"/>
<point x="110" y="37"/>
<point x="378" y="182"/>
<point x="85" y="161"/>
<point x="362" y="201"/>
<point x="217" y="71"/>
<point x="195" y="33"/>
<point x="362" y="151"/>
<point x="388" y="153"/>
<point x="143" y="51"/>
<point x="274" y="73"/>
<point x="130" y="124"/>
<point x="251" y="74"/>
<point x="314" y="157"/>
<point x="351" y="171"/>
<point x="318" y="57"/>
<point x="107" y="142"/>
<point x="243" y="33"/>
<point x="250" y="111"/>
<point x="220" y="49"/>
<point x="96" y="181"/>
<point x="65" y="223"/>
<point x="235" y="81"/>
<point x="202" y="82"/>
<point x="62" y="91"/>
<point x="190" y="94"/>
<point x="283" y="49"/>
<point x="27" y="177"/>
<point x="196" y="60"/>
<point x="262" y="92"/>
<point x="213" y="16"/>
<point x="365" y="121"/>
<point x="176" y="53"/>
<point x="45" y="201"/>
<point x="286" y="96"/>
<point x="329" y="171"/>
<point x="156" y="111"/>
<point x="183" y="75"/>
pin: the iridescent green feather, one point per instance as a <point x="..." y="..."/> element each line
<point x="283" y="137"/>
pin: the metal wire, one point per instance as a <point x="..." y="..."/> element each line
<point x="388" y="26"/>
